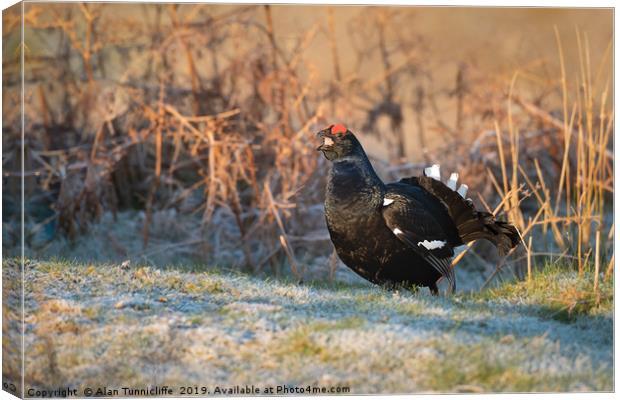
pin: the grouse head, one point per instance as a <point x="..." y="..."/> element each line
<point x="339" y="143"/>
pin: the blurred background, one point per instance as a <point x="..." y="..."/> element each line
<point x="185" y="134"/>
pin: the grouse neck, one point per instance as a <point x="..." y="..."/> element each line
<point x="360" y="163"/>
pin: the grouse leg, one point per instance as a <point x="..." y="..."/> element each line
<point x="434" y="289"/>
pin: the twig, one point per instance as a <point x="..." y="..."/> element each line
<point x="283" y="237"/>
<point x="597" y="261"/>
<point x="610" y="268"/>
<point x="529" y="259"/>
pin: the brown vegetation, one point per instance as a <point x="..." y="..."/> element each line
<point x="207" y="111"/>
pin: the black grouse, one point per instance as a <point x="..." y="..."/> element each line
<point x="402" y="233"/>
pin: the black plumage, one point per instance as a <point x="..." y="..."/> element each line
<point x="401" y="233"/>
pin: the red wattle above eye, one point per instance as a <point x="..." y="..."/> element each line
<point x="339" y="129"/>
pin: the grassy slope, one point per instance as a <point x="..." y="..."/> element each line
<point x="101" y="324"/>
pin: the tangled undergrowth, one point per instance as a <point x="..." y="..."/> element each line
<point x="125" y="115"/>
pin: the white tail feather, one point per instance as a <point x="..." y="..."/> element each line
<point x="452" y="181"/>
<point x="433" y="172"/>
<point x="463" y="190"/>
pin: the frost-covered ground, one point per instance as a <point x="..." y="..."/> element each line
<point x="115" y="326"/>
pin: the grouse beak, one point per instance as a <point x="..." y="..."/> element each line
<point x="327" y="141"/>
